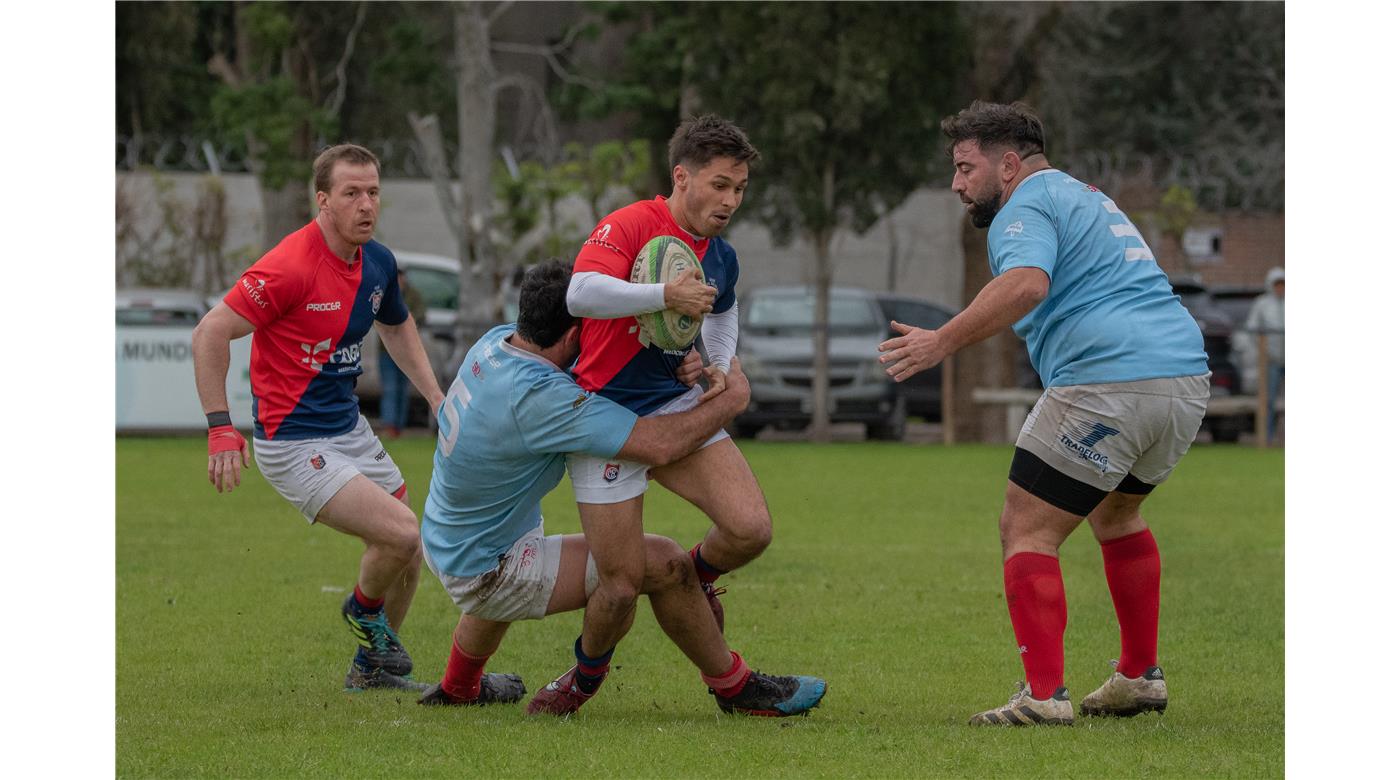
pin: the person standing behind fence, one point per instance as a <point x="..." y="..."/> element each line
<point x="393" y="382"/>
<point x="1126" y="387"/>
<point x="1266" y="316"/>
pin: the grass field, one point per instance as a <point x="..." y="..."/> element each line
<point x="884" y="577"/>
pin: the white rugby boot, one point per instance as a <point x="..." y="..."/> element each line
<point x="1023" y="710"/>
<point x="1125" y="697"/>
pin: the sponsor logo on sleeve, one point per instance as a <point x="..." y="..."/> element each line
<point x="254" y="288"/>
<point x="1014" y="229"/>
<point x="602" y="237"/>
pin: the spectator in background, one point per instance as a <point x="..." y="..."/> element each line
<point x="1266" y="316"/>
<point x="393" y="403"/>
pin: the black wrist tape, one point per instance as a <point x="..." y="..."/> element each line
<point x="218" y="418"/>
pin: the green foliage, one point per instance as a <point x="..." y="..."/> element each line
<point x="884" y="577"/>
<point x="162" y="84"/>
<point x="859" y="87"/>
<point x="274" y="114"/>
<point x="602" y="168"/>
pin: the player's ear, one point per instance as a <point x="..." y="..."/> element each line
<point x="1010" y="165"/>
<point x="680" y="177"/>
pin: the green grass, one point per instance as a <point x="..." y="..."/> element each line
<point x="884" y="577"/>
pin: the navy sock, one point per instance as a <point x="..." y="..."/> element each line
<point x="591" y="671"/>
<point x="703" y="568"/>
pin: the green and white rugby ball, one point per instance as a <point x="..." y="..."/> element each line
<point x="661" y="260"/>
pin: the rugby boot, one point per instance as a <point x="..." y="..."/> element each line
<point x="712" y="595"/>
<point x="772" y="696"/>
<point x="1125" y="697"/>
<point x="360" y="678"/>
<point x="379" y="646"/>
<point x="495" y="689"/>
<point x="560" y="697"/>
<point x="1023" y="710"/>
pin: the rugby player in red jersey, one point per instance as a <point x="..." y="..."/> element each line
<point x="710" y="160"/>
<point x="309" y="303"/>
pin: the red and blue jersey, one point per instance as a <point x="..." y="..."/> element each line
<point x="614" y="363"/>
<point x="311" y="310"/>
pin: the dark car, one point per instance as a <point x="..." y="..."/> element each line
<point x="923" y="392"/>
<point x="1217" y="328"/>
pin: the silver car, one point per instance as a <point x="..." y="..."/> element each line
<point x="775" y="345"/>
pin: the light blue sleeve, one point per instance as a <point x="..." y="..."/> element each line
<point x="555" y="415"/>
<point x="1023" y="236"/>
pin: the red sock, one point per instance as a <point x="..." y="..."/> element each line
<point x="1035" y="596"/>
<point x="1134" y="571"/>
<point x="369" y="604"/>
<point x="463" y="676"/>
<point x="732" y="681"/>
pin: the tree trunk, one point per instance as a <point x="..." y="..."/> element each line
<point x="476" y="132"/>
<point x="821" y="320"/>
<point x="285" y="210"/>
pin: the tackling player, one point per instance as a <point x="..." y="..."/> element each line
<point x="508" y="420"/>
<point x="710" y="160"/>
<point x="1126" y="388"/>
<point x="309" y="303"/>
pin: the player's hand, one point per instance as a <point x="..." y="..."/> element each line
<point x="914" y="350"/>
<point x="226" y="445"/>
<point x="690" y="295"/>
<point x="736" y="386"/>
<point x="690" y="369"/>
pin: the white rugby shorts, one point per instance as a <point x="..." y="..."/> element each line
<point x="309" y="472"/>
<point x="520" y="586"/>
<point x="1099" y="434"/>
<point x="612" y="481"/>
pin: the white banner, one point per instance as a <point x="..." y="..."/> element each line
<point x="155" y="380"/>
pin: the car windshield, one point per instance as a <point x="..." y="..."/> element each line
<point x="796" y="312"/>
<point x="438" y="288"/>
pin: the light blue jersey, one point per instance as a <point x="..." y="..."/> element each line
<point x="1110" y="315"/>
<point x="507" y="422"/>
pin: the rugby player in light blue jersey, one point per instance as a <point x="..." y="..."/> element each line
<point x="510" y="418"/>
<point x="1126" y="388"/>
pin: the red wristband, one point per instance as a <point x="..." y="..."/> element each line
<point x="225" y="438"/>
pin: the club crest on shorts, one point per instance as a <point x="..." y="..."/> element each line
<point x="318" y="462"/>
<point x="476" y="369"/>
<point x="611" y="471"/>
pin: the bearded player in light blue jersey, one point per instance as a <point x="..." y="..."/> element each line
<point x="1126" y="387"/>
<point x="510" y="418"/>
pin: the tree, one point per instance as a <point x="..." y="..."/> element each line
<point x="284" y="73"/>
<point x="841" y="99"/>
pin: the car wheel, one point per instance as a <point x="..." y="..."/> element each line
<point x="892" y="429"/>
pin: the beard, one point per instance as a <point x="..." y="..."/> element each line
<point x="985" y="210"/>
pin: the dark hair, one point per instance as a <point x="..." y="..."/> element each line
<point x="544" y="314"/>
<point x="700" y="139"/>
<point x="350" y="153"/>
<point x="997" y="124"/>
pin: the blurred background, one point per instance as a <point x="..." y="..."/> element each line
<point x="507" y="130"/>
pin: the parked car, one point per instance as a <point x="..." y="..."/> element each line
<point x="149" y="306"/>
<point x="923" y="392"/>
<point x="1244" y="346"/>
<point x="1216" y="331"/>
<point x="775" y="344"/>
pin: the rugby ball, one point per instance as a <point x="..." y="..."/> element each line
<point x="661" y="260"/>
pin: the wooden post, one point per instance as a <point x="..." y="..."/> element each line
<point x="1261" y="406"/>
<point x="949" y="424"/>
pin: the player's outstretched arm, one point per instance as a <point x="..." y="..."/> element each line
<point x="999" y="305"/>
<point x="211" y="359"/>
<point x="406" y="348"/>
<point x="658" y="441"/>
